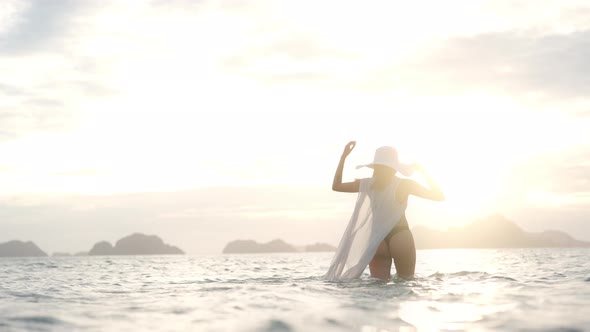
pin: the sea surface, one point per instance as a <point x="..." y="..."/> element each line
<point x="454" y="290"/>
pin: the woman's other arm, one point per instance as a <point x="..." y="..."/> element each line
<point x="433" y="192"/>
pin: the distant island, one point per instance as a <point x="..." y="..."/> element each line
<point x="20" y="249"/>
<point x="135" y="244"/>
<point x="492" y="232"/>
<point x="319" y="247"/>
<point x="278" y="245"/>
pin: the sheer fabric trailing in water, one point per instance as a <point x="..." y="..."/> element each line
<point x="375" y="214"/>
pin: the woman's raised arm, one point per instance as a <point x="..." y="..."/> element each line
<point x="337" y="185"/>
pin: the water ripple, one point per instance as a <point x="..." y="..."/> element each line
<point x="287" y="293"/>
<point x="37" y="320"/>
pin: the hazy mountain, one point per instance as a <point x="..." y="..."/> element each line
<point x="253" y="247"/>
<point x="102" y="248"/>
<point x="20" y="249"/>
<point x="492" y="232"/>
<point x="135" y="244"/>
<point x="319" y="247"/>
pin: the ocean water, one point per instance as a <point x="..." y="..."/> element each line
<point x="454" y="290"/>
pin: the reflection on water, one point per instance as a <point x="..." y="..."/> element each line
<point x="536" y="289"/>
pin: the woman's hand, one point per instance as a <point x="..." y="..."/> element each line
<point x="433" y="192"/>
<point x="348" y="148"/>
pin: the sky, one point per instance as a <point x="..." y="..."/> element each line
<point x="209" y="121"/>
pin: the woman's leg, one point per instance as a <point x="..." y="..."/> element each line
<point x="380" y="265"/>
<point x="403" y="251"/>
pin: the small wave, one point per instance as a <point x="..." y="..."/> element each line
<point x="181" y="311"/>
<point x="37" y="319"/>
<point x="355" y="283"/>
<point x="504" y="278"/>
<point x="108" y="291"/>
<point x="188" y="282"/>
<point x="29" y="295"/>
<point x="36" y="264"/>
<point x="439" y="275"/>
<point x="587" y="279"/>
<point x="469" y="273"/>
<point x="216" y="289"/>
<point x="334" y="322"/>
<point x="276" y="325"/>
<point x="271" y="280"/>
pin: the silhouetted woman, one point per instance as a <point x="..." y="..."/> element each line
<point x="378" y="231"/>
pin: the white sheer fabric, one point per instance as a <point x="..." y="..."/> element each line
<point x="375" y="214"/>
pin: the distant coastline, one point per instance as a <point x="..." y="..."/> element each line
<point x="274" y="246"/>
<point x="492" y="232"/>
<point x="495" y="231"/>
<point x="134" y="244"/>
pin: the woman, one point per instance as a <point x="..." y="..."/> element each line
<point x="378" y="231"/>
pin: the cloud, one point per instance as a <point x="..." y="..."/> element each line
<point x="34" y="114"/>
<point x="12" y="90"/>
<point x="43" y="25"/>
<point x="50" y="105"/>
<point x="46" y="78"/>
<point x="500" y="47"/>
<point x="515" y="63"/>
<point x="510" y="63"/>
<point x="553" y="64"/>
<point x="566" y="172"/>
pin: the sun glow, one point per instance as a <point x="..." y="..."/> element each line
<point x="209" y="96"/>
<point x="473" y="155"/>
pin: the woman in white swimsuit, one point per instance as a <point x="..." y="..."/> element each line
<point x="378" y="231"/>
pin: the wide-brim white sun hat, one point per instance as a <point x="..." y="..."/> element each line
<point x="387" y="156"/>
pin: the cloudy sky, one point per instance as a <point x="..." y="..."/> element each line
<point x="208" y="121"/>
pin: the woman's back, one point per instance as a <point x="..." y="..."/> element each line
<point x="376" y="213"/>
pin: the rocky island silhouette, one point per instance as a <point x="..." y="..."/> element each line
<point x="135" y="244"/>
<point x="17" y="248"/>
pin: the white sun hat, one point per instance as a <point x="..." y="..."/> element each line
<point x="387" y="156"/>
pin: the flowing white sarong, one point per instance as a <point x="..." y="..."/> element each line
<point x="375" y="214"/>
